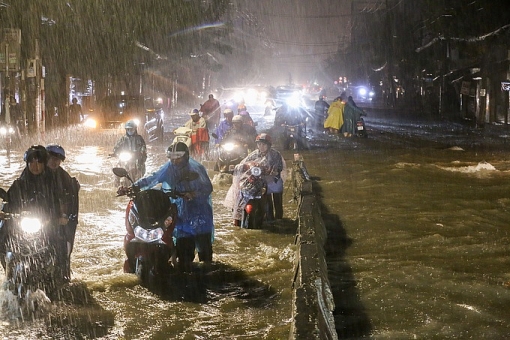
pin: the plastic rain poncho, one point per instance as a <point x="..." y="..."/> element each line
<point x="195" y="216"/>
<point x="239" y="194"/>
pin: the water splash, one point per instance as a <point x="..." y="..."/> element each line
<point x="197" y="28"/>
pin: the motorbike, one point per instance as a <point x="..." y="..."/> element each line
<point x="292" y="135"/>
<point x="7" y="134"/>
<point x="182" y="134"/>
<point x="361" y="130"/>
<point x="33" y="259"/>
<point x="150" y="221"/>
<point x="230" y="153"/>
<point x="252" y="190"/>
<point x="198" y="142"/>
<point x="132" y="164"/>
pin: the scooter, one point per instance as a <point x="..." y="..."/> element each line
<point x="7" y="134"/>
<point x="197" y="142"/>
<point x="133" y="165"/>
<point x="230" y="153"/>
<point x="361" y="130"/>
<point x="252" y="190"/>
<point x="150" y="221"/>
<point x="182" y="134"/>
<point x="32" y="257"/>
<point x="292" y="133"/>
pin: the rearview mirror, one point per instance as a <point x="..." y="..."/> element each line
<point x="3" y="194"/>
<point x="120" y="172"/>
<point x="214" y="135"/>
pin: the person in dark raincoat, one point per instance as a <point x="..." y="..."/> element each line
<point x="352" y="114"/>
<point x="70" y="188"/>
<point x="36" y="190"/>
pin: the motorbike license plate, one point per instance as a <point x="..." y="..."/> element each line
<point x="292" y="129"/>
<point x="360" y="127"/>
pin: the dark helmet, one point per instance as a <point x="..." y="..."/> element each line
<point x="177" y="150"/>
<point x="264" y="138"/>
<point x="56" y="150"/>
<point x="130" y="127"/>
<point x="36" y="152"/>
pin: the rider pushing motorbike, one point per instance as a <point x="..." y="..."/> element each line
<point x="274" y="175"/>
<point x="194" y="227"/>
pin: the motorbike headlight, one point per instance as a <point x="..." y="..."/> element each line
<point x="90" y="123"/>
<point x="31" y="225"/>
<point x="3" y="130"/>
<point x="125" y="156"/>
<point x="229" y="146"/>
<point x="256" y="171"/>
<point x="11" y="130"/>
<point x="371" y="93"/>
<point x="362" y="91"/>
<point x="152" y="235"/>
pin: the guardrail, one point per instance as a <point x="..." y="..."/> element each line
<point x="313" y="302"/>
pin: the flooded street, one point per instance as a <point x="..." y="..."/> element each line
<point x="418" y="246"/>
<point x="247" y="294"/>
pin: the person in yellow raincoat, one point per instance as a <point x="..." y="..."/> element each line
<point x="335" y="118"/>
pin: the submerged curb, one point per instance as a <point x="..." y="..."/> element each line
<point x="313" y="303"/>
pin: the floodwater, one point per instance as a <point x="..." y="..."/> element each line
<point x="419" y="232"/>
<point x="417" y="249"/>
<point x="246" y="294"/>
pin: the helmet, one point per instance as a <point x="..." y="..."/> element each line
<point x="177" y="150"/>
<point x="194" y="112"/>
<point x="36" y="152"/>
<point x="130" y="127"/>
<point x="228" y="112"/>
<point x="264" y="138"/>
<point x="56" y="150"/>
<point x="237" y="118"/>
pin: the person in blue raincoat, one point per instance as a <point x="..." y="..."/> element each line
<point x="194" y="227"/>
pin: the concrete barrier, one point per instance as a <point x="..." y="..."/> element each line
<point x="313" y="302"/>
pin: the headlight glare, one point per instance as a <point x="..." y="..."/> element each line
<point x="31" y="225"/>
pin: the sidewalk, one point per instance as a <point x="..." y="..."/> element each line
<point x="447" y="129"/>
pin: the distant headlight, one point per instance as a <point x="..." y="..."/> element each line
<point x="148" y="235"/>
<point x="362" y="91"/>
<point x="371" y="93"/>
<point x="31" y="225"/>
<point x="90" y="123"/>
<point x="228" y="146"/>
<point x="137" y="121"/>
